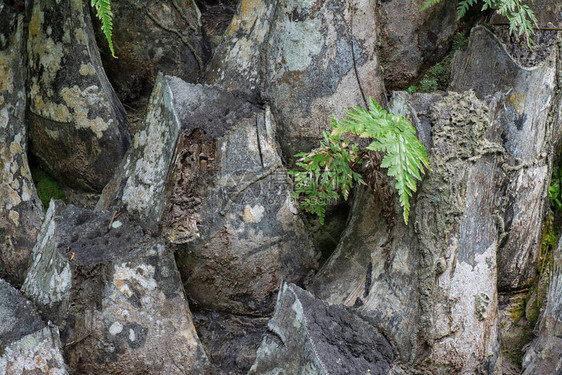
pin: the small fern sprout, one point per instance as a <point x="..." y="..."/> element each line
<point x="327" y="172"/>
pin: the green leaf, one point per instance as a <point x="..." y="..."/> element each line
<point x="104" y="13"/>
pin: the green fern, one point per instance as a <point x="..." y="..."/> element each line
<point x="463" y="7"/>
<point x="104" y="13"/>
<point x="521" y="18"/>
<point x="331" y="164"/>
<point x="325" y="174"/>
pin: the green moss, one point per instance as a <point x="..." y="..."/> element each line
<point x="438" y="76"/>
<point x="516" y="354"/>
<point x="47" y="187"/>
<point x="519" y="310"/>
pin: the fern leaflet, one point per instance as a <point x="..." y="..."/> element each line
<point x="104" y="13"/>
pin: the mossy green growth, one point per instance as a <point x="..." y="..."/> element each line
<point x="47" y="187"/>
<point x="439" y="75"/>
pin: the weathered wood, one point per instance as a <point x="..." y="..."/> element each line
<point x="524" y="105"/>
<point x="151" y="37"/>
<point x="543" y="355"/>
<point x="430" y="286"/>
<point x="21" y="212"/>
<point x="115" y="294"/>
<point x="27" y="345"/>
<point x="78" y="127"/>
<point x="413" y="40"/>
<point x="308" y="59"/>
<point x="304" y="336"/>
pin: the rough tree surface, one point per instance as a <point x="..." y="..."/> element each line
<point x="411" y="40"/>
<point x="21" y="211"/>
<point x="115" y="294"/>
<point x="306" y="336"/>
<point x="78" y="127"/>
<point x="27" y="345"/>
<point x="308" y="59"/>
<point x="197" y="207"/>
<point x="151" y="37"/>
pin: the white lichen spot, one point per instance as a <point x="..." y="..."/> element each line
<point x="76" y="5"/>
<point x="253" y="214"/>
<point x="4" y="117"/>
<point x="81" y="101"/>
<point x="140" y="139"/>
<point x="86" y="69"/>
<point x="116" y="224"/>
<point x="26" y="193"/>
<point x="126" y="277"/>
<point x="299" y="314"/>
<point x="115" y="328"/>
<point x="38" y="352"/>
<point x="28" y="342"/>
<point x="189" y="336"/>
<point x="79" y="35"/>
<point x="301" y="41"/>
<point x="15" y="184"/>
<point x="60" y="283"/>
<point x="15" y="148"/>
<point x="291" y="205"/>
<point x="11" y="197"/>
<point x="15" y="217"/>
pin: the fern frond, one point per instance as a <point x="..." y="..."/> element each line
<point x="405" y="156"/>
<point x="463" y="7"/>
<point x="104" y="13"/>
<point x="326" y="172"/>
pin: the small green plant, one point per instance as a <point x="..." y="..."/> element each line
<point x="438" y="76"/>
<point x="326" y="173"/>
<point x="47" y="187"/>
<point x="329" y="171"/>
<point x="412" y="89"/>
<point x="104" y="13"/>
<point x="555" y="189"/>
<point x="520" y="17"/>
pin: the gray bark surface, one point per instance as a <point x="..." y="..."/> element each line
<point x="114" y="293"/>
<point x="78" y="127"/>
<point x="21" y="211"/>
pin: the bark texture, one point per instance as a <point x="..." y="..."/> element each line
<point x="114" y="293"/>
<point x="308" y="59"/>
<point x="21" y="211"/>
<point x="152" y="37"/>
<point x="78" y="127"/>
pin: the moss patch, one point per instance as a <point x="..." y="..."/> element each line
<point x="524" y="310"/>
<point x="439" y="75"/>
<point x="47" y="187"/>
